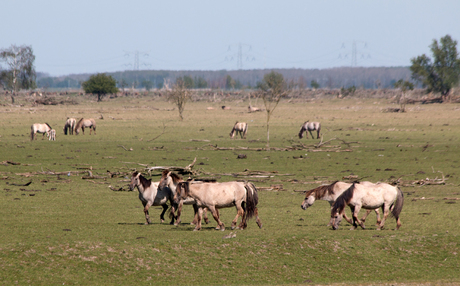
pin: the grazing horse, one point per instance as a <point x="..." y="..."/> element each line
<point x="330" y="193"/>
<point x="214" y="196"/>
<point x="70" y="126"/>
<point x="369" y="197"/>
<point x="151" y="195"/>
<point x="39" y="128"/>
<point x="171" y="180"/>
<point x="310" y="126"/>
<point x="82" y="123"/>
<point x="52" y="135"/>
<point x="241" y="128"/>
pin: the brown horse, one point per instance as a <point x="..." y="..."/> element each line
<point x="310" y="126"/>
<point x="171" y="180"/>
<point x="330" y="193"/>
<point x="221" y="195"/>
<point x="85" y="122"/>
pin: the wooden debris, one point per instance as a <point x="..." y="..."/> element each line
<point x="180" y="170"/>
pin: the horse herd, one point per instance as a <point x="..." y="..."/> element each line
<point x="212" y="196"/>
<point x="242" y="128"/>
<point x="71" y="126"/>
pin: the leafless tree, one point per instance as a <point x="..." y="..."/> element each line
<point x="179" y="94"/>
<point x="272" y="88"/>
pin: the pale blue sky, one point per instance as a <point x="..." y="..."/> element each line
<point x="105" y="35"/>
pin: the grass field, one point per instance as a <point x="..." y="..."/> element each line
<point x="65" y="230"/>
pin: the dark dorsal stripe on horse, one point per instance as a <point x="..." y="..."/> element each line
<point x="321" y="191"/>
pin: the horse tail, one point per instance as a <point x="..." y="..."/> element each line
<point x="398" y="205"/>
<point x="245" y="129"/>
<point x="65" y="128"/>
<point x="32" y="132"/>
<point x="252" y="199"/>
<point x="343" y="200"/>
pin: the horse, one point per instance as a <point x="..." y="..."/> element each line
<point x="70" y="125"/>
<point x="151" y="195"/>
<point x="82" y="123"/>
<point x="171" y="180"/>
<point x="330" y="193"/>
<point x="52" y="135"/>
<point x="310" y="126"/>
<point x="39" y="128"/>
<point x="214" y="196"/>
<point x="359" y="196"/>
<point x="241" y="128"/>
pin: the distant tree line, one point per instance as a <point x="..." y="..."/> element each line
<point x="343" y="77"/>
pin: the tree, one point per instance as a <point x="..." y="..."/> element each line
<point x="147" y="84"/>
<point x="272" y="88"/>
<point x="21" y="72"/>
<point x="229" y="82"/>
<point x="200" y="82"/>
<point x="443" y="72"/>
<point x="179" y="94"/>
<point x="314" y="84"/>
<point x="100" y="84"/>
<point x="404" y="85"/>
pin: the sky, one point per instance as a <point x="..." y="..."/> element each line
<point x="96" y="36"/>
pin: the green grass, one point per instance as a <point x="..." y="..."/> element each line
<point x="66" y="230"/>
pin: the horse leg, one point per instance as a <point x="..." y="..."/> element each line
<point x="398" y="223"/>
<point x="179" y="211"/>
<point x="146" y="212"/>
<point x="355" y="216"/>
<point x="377" y="213"/>
<point x="195" y="218"/>
<point x="363" y="219"/>
<point x="162" y="217"/>
<point x="258" y="221"/>
<point x="240" y="211"/>
<point x="198" y="223"/>
<point x="312" y="137"/>
<point x="386" y="212"/>
<point x="215" y="214"/>
<point x="205" y="215"/>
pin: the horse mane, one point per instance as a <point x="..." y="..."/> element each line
<point x="48" y="125"/>
<point x="321" y="191"/>
<point x="144" y="182"/>
<point x="78" y="123"/>
<point x="176" y="178"/>
<point x="343" y="200"/>
<point x="185" y="186"/>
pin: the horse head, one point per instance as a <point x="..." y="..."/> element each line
<point x="336" y="218"/>
<point x="135" y="180"/>
<point x="308" y="201"/>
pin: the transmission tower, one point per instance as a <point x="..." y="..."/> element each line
<point x="355" y="53"/>
<point x="136" y="59"/>
<point x="242" y="50"/>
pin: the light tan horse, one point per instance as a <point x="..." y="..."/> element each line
<point x="85" y="122"/>
<point x="151" y="195"/>
<point x="214" y="196"/>
<point x="369" y="197"/>
<point x="171" y="180"/>
<point x="70" y="126"/>
<point x="310" y="126"/>
<point x="39" y="128"/>
<point x="241" y="128"/>
<point x="52" y="135"/>
<point x="330" y="193"/>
